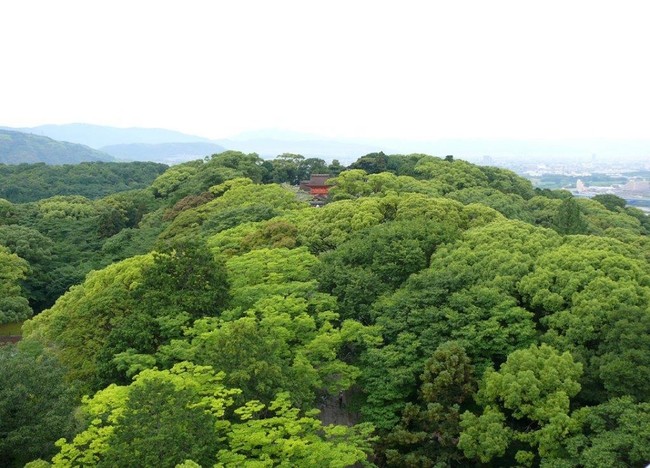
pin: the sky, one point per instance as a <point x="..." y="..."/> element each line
<point x="368" y="69"/>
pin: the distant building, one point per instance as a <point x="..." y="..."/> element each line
<point x="316" y="185"/>
<point x="637" y="186"/>
<point x="580" y="186"/>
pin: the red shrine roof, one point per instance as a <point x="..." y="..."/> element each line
<point x="315" y="181"/>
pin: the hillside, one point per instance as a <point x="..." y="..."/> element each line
<point x="97" y="136"/>
<point x="168" y="153"/>
<point x="18" y="148"/>
<point x="438" y="312"/>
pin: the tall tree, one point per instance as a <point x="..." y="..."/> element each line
<point x="568" y="219"/>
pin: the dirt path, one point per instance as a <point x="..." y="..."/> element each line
<point x="333" y="411"/>
<point x="9" y="339"/>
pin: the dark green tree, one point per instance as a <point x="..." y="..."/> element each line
<point x="610" y="201"/>
<point x="161" y="426"/>
<point x="429" y="429"/>
<point x="372" y="163"/>
<point x="183" y="283"/>
<point x="335" y="168"/>
<point x="613" y="434"/>
<point x="36" y="404"/>
<point x="185" y="277"/>
<point x="568" y="219"/>
<point x="37" y="250"/>
<point x="14" y="306"/>
<point x="286" y="168"/>
<point x="378" y="260"/>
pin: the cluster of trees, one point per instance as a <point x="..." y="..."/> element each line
<point x="22" y="183"/>
<point x="293" y="168"/>
<point x="454" y="315"/>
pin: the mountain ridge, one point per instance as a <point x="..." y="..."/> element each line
<point x="271" y="142"/>
<point x="168" y="153"/>
<point x="97" y="136"/>
<point x="19" y="147"/>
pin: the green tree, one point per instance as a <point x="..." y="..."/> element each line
<point x="245" y="165"/>
<point x="280" y="345"/>
<point x="613" y="434"/>
<point x="38" y="250"/>
<point x="510" y="205"/>
<point x="105" y="328"/>
<point x="590" y="295"/>
<point x="183" y="283"/>
<point x="79" y="324"/>
<point x="508" y="182"/>
<point x="468" y="294"/>
<point x="161" y="419"/>
<point x="235" y="201"/>
<point x="428" y="431"/>
<point x="610" y="201"/>
<point x="14" y="306"/>
<point x="568" y="219"/>
<point x="372" y="163"/>
<point x="287" y="438"/>
<point x="450" y="177"/>
<point x="162" y="424"/>
<point x="286" y="168"/>
<point x="23" y="183"/>
<point x="8" y="212"/>
<point x="36" y="404"/>
<point x="184" y="277"/>
<point x="378" y="260"/>
<point x="335" y="168"/>
<point x="311" y="166"/>
<point x="187" y="416"/>
<point x="525" y="408"/>
<point x="271" y="272"/>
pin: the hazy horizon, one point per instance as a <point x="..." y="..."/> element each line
<point x="271" y="142"/>
<point x="345" y="70"/>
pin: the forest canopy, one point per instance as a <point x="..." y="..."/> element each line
<point x="32" y="182"/>
<point x="431" y="313"/>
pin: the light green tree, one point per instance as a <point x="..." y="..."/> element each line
<point x="14" y="306"/>
<point x="525" y="408"/>
<point x="187" y="416"/>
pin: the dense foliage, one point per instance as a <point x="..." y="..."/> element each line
<point x="432" y="313"/>
<point x="31" y="182"/>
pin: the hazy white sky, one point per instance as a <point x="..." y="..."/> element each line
<point x="427" y="69"/>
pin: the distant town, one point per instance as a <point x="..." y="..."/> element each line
<point x="627" y="179"/>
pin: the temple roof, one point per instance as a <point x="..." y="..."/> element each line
<point x="316" y="180"/>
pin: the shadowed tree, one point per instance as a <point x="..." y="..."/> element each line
<point x="568" y="219"/>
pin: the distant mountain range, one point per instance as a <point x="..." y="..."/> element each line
<point x="97" y="136"/>
<point x="18" y="147"/>
<point x="167" y="146"/>
<point x="167" y="153"/>
<point x="170" y="147"/>
<point x="129" y="144"/>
